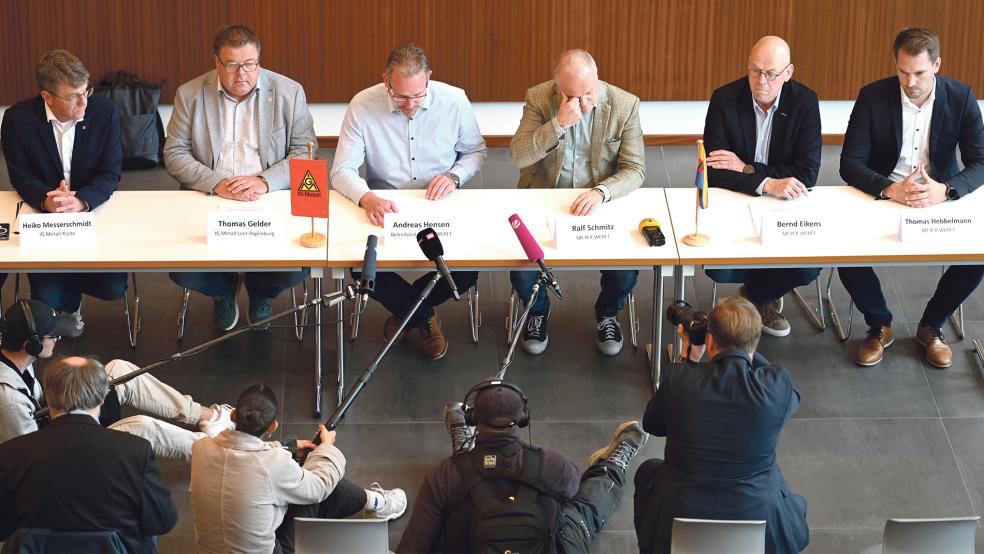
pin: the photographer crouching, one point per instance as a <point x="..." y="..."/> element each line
<point x="721" y="420"/>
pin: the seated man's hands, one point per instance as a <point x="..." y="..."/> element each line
<point x="587" y="201"/>
<point x="377" y="207"/>
<point x="61" y="200"/>
<point x="788" y="188"/>
<point x="440" y="187"/>
<point x="243" y="188"/>
<point x="725" y="159"/>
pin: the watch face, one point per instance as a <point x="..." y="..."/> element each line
<point x="951" y="193"/>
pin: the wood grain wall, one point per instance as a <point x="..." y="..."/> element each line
<point x="495" y="49"/>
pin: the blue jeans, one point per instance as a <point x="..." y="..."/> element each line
<point x="259" y="284"/>
<point x="398" y="296"/>
<point x="615" y="286"/>
<point x="766" y="285"/>
<point x="63" y="291"/>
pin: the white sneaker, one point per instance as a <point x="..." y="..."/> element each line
<point x="220" y="421"/>
<point x="396" y="503"/>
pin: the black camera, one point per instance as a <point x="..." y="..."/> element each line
<point x="694" y="322"/>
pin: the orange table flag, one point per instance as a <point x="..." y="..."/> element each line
<point x="308" y="187"/>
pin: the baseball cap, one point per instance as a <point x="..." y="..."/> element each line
<point x="14" y="327"/>
<point x="498" y="407"/>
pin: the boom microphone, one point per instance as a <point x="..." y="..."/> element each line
<point x="367" y="282"/>
<point x="430" y="244"/>
<point x="533" y="251"/>
<point x="650" y="230"/>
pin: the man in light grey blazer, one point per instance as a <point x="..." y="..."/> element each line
<point x="231" y="134"/>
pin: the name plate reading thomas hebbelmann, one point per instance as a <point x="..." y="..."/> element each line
<point x="928" y="226"/>
<point x="60" y="230"/>
<point x="231" y="227"/>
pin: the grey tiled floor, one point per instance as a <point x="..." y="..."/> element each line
<point x="900" y="439"/>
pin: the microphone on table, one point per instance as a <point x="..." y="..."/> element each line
<point x="533" y="251"/>
<point x="367" y="281"/>
<point x="430" y="244"/>
<point x="650" y="230"/>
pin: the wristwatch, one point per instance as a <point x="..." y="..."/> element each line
<point x="453" y="177"/>
<point x="951" y="193"/>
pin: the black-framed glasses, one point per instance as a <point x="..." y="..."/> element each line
<point x="755" y="73"/>
<point x="400" y="98"/>
<point x="74" y="98"/>
<point x="233" y="67"/>
<point x="52" y="337"/>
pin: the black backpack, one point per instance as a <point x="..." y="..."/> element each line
<point x="141" y="128"/>
<point x="516" y="524"/>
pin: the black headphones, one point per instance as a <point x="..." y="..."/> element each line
<point x="34" y="344"/>
<point x="472" y="396"/>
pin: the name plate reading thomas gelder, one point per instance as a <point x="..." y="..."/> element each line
<point x="400" y="229"/>
<point x="232" y="227"/>
<point x="794" y="227"/>
<point x="74" y="229"/>
<point x="573" y="231"/>
<point x="919" y="226"/>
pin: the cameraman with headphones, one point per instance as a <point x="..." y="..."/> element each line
<point x="721" y="420"/>
<point x="506" y="495"/>
<point x="29" y="330"/>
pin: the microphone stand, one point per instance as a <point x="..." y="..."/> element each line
<point x="336" y="417"/>
<point x="327" y="300"/>
<point x="541" y="281"/>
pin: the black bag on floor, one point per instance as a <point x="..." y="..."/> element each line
<point x="141" y="128"/>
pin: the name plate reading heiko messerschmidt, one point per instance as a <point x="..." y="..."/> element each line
<point x="573" y="231"/>
<point x="75" y="229"/>
<point x="794" y="227"/>
<point x="918" y="226"/>
<point x="400" y="229"/>
<point x="242" y="227"/>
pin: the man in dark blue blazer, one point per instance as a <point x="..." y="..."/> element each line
<point x="63" y="155"/>
<point x="901" y="145"/>
<point x="721" y="420"/>
<point x="762" y="134"/>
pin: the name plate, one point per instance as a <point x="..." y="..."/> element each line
<point x="794" y="227"/>
<point x="231" y="227"/>
<point x="571" y="231"/>
<point x="400" y="229"/>
<point x="925" y="227"/>
<point x="75" y="229"/>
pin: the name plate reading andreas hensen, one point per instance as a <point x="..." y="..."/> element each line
<point x="953" y="227"/>
<point x="75" y="229"/>
<point x="400" y="229"/>
<point x="231" y="227"/>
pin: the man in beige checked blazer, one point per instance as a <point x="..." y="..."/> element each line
<point x="579" y="132"/>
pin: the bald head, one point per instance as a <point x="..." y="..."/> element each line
<point x="771" y="49"/>
<point x="576" y="76"/>
<point x="769" y="58"/>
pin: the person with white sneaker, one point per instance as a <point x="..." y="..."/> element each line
<point x="30" y="330"/>
<point x="576" y="508"/>
<point x="246" y="491"/>
<point x="579" y="132"/>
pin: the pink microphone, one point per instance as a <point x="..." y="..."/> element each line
<point x="534" y="253"/>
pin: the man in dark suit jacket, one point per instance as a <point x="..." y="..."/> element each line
<point x="721" y="420"/>
<point x="763" y="137"/>
<point x="63" y="154"/>
<point x="75" y="475"/>
<point x="901" y="145"/>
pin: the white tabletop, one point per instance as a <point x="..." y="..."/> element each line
<point x="491" y="242"/>
<point x="165" y="229"/>
<point x="869" y="230"/>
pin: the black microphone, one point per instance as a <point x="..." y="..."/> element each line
<point x="430" y="244"/>
<point x="367" y="282"/>
<point x="533" y="251"/>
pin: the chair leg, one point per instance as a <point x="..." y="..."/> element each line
<point x="957" y="319"/>
<point x="132" y="326"/>
<point x="979" y="350"/>
<point x="815" y="315"/>
<point x="714" y="294"/>
<point x="474" y="313"/>
<point x="16" y="287"/>
<point x="183" y="313"/>
<point x="300" y="318"/>
<point x="511" y="316"/>
<point x="633" y="321"/>
<point x="355" y="319"/>
<point x="834" y="317"/>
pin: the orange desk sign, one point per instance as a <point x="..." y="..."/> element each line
<point x="309" y="195"/>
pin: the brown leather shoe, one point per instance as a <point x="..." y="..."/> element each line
<point x="872" y="350"/>
<point x="937" y="351"/>
<point x="390" y="327"/>
<point x="430" y="339"/>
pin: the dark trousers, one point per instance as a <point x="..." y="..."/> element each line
<point x="615" y="286"/>
<point x="397" y="295"/>
<point x="766" y="285"/>
<point x="345" y="500"/>
<point x="582" y="517"/>
<point x="954" y="287"/>
<point x="63" y="291"/>
<point x="259" y="284"/>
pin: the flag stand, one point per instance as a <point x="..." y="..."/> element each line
<point x="313" y="239"/>
<point x="697" y="238"/>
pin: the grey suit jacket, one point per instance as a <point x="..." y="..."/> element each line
<point x="194" y="134"/>
<point x="618" y="158"/>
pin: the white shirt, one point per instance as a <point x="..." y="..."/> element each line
<point x="763" y="134"/>
<point x="64" y="141"/>
<point x="916" y="122"/>
<point x="240" y="153"/>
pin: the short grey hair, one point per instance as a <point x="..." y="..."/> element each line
<point x="60" y="66"/>
<point x="69" y="385"/>
<point x="575" y="55"/>
<point x="409" y="60"/>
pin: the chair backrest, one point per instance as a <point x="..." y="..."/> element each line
<point x="31" y="541"/>
<point x="710" y="536"/>
<point x="349" y="536"/>
<point x="943" y="536"/>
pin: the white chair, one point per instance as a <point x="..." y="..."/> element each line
<point x="348" y="536"/>
<point x="953" y="535"/>
<point x="474" y="315"/>
<point x="710" y="536"/>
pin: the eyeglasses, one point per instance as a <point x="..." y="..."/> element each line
<point x="233" y="67"/>
<point x="52" y="337"/>
<point x="399" y="98"/>
<point x="75" y="98"/>
<point x="755" y="73"/>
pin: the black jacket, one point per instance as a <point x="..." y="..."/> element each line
<point x="794" y="148"/>
<point x="75" y="475"/>
<point x="874" y="137"/>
